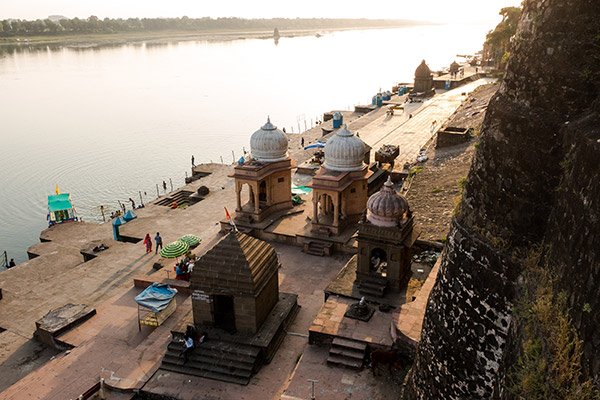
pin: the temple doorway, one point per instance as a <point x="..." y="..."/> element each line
<point x="378" y="262"/>
<point x="224" y="313"/>
<point x="262" y="192"/>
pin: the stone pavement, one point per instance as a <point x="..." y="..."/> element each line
<point x="109" y="345"/>
<point x="331" y="321"/>
<point x="411" y="134"/>
<point x="336" y="383"/>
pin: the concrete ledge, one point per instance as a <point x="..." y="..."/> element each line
<point x="60" y="320"/>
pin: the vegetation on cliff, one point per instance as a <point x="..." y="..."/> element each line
<point x="549" y="362"/>
<point x="498" y="40"/>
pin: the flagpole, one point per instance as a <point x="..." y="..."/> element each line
<point x="228" y="217"/>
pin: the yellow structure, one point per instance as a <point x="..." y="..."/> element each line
<point x="266" y="173"/>
<point x="340" y="189"/>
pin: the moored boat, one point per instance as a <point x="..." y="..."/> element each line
<point x="60" y="208"/>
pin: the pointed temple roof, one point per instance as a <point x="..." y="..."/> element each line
<point x="237" y="264"/>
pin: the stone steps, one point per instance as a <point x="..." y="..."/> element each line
<point x="181" y="197"/>
<point x="242" y="362"/>
<point x="349" y="343"/>
<point x="373" y="286"/>
<point x="201" y="364"/>
<point x="184" y="369"/>
<point x="215" y="359"/>
<point x="317" y="248"/>
<point x="347" y="353"/>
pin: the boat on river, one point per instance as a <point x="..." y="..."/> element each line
<point x="60" y="209"/>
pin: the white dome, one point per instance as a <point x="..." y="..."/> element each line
<point x="344" y="151"/>
<point x="386" y="207"/>
<point x="269" y="144"/>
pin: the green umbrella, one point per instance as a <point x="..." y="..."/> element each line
<point x="175" y="249"/>
<point x="191" y="240"/>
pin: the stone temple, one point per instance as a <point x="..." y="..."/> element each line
<point x="423" y="80"/>
<point x="267" y="174"/>
<point x="236" y="301"/>
<point x="385" y="241"/>
<point x="340" y="186"/>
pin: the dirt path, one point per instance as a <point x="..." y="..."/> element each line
<point x="434" y="192"/>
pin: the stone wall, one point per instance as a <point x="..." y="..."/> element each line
<point x="573" y="236"/>
<point x="552" y="78"/>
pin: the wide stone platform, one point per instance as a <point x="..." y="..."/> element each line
<point x="293" y="227"/>
<point x="343" y="291"/>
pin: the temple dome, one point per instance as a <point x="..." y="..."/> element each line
<point x="386" y="207"/>
<point x="422" y="70"/>
<point x="269" y="144"/>
<point x="344" y="151"/>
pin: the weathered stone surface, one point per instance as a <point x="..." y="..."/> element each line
<point x="511" y="200"/>
<point x="573" y="235"/>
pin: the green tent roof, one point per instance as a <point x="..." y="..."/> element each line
<point x="59" y="202"/>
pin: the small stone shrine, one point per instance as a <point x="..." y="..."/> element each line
<point x="340" y="189"/>
<point x="235" y="284"/>
<point x="236" y="302"/>
<point x="385" y="240"/>
<point x="423" y="80"/>
<point x="267" y="173"/>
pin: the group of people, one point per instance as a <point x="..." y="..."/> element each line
<point x="148" y="242"/>
<point x="184" y="268"/>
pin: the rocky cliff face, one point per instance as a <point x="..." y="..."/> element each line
<point x="535" y="180"/>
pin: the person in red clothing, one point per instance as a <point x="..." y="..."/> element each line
<point x="148" y="243"/>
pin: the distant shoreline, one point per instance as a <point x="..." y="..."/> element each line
<point x="163" y="37"/>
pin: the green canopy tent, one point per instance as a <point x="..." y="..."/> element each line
<point x="175" y="249"/>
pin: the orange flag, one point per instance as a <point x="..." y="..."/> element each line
<point x="230" y="220"/>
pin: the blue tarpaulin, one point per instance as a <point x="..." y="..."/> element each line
<point x="316" y="145"/>
<point x="156" y="297"/>
<point x="129" y="215"/>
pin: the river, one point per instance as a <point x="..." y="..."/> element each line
<point x="107" y="123"/>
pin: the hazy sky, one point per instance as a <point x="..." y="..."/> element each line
<point x="430" y="10"/>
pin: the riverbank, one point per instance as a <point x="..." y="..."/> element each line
<point x="163" y="37"/>
<point x="59" y="275"/>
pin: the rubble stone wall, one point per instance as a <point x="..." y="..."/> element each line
<point x="511" y="201"/>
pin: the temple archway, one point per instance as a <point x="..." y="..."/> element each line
<point x="378" y="261"/>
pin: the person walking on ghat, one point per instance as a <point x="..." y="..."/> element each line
<point x="193" y="161"/>
<point x="158" y="241"/>
<point x="302" y="142"/>
<point x="148" y="243"/>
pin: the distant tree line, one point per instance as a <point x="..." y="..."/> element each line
<point x="93" y="24"/>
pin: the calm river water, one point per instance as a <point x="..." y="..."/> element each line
<point x="106" y="123"/>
